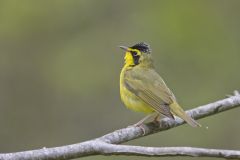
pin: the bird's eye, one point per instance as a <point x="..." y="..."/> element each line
<point x="134" y="53"/>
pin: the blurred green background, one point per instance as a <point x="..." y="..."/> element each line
<point x="60" y="65"/>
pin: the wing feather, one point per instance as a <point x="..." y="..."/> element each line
<point x="153" y="91"/>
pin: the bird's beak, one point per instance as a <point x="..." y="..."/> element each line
<point x="124" y="48"/>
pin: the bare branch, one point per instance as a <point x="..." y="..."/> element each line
<point x="130" y="133"/>
<point x="106" y="145"/>
<point x="112" y="149"/>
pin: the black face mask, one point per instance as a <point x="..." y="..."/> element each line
<point x="135" y="57"/>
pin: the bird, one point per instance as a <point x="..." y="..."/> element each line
<point x="142" y="89"/>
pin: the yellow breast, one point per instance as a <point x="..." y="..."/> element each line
<point x="130" y="100"/>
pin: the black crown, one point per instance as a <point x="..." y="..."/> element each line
<point x="143" y="47"/>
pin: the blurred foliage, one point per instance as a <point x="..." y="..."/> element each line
<point x="60" y="65"/>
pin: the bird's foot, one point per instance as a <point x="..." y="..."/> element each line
<point x="140" y="125"/>
<point x="156" y="119"/>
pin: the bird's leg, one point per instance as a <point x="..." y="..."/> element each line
<point x="156" y="119"/>
<point x="139" y="124"/>
<point x="142" y="120"/>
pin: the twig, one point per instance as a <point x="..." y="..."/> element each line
<point x="106" y="145"/>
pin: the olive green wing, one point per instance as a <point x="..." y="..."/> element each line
<point x="149" y="86"/>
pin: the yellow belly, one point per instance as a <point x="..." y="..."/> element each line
<point x="130" y="100"/>
<point x="133" y="102"/>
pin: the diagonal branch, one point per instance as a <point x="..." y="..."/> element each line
<point x="106" y="145"/>
<point x="130" y="133"/>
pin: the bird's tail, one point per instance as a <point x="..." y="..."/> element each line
<point x="178" y="111"/>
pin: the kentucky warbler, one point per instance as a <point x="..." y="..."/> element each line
<point x="143" y="90"/>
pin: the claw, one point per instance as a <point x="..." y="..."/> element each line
<point x="143" y="129"/>
<point x="140" y="123"/>
<point x="140" y="126"/>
